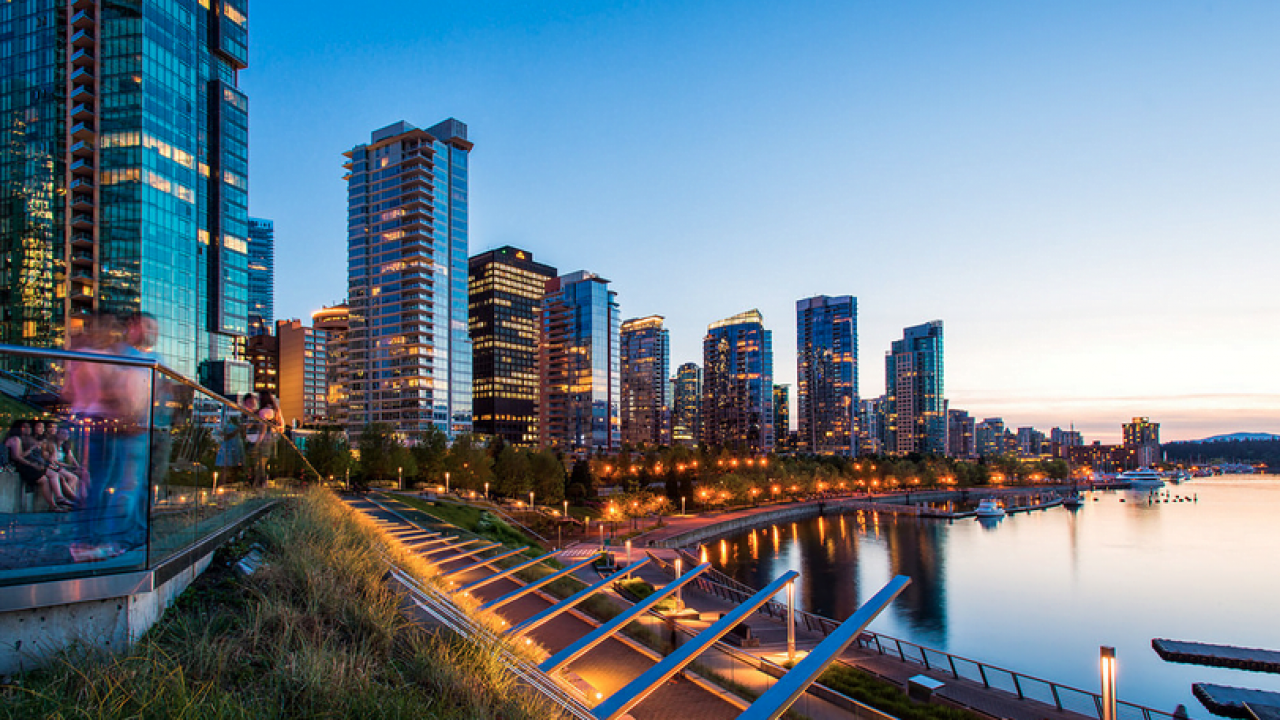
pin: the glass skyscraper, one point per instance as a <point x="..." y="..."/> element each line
<point x="737" y="384"/>
<point x="262" y="275"/>
<point x="915" y="410"/>
<point x="408" y="348"/>
<point x="124" y="175"/>
<point x="507" y="288"/>
<point x="686" y="401"/>
<point x="646" y="403"/>
<point x="578" y="412"/>
<point x="827" y="374"/>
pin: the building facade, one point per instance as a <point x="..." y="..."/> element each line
<point x="915" y="409"/>
<point x="124" y="176"/>
<point x="506" y="288"/>
<point x="303" y="364"/>
<point x="686" y="403"/>
<point x="989" y="437"/>
<point x="1143" y="437"/>
<point x="409" y="352"/>
<point x="335" y="321"/>
<point x="737" y="384"/>
<point x="827" y="375"/>
<point x="262" y="275"/>
<point x="783" y="439"/>
<point x="578" y="366"/>
<point x="871" y="438"/>
<point x="646" y="401"/>
<point x="961" y="438"/>
<point x="263" y="355"/>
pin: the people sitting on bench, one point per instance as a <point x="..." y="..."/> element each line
<point x="28" y="460"/>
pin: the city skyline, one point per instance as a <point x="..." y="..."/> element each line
<point x="1077" y="187"/>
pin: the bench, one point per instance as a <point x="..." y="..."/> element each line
<point x="742" y="636"/>
<point x="16" y="498"/>
<point x="922" y="687"/>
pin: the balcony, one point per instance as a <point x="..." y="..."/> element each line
<point x="83" y="39"/>
<point x="82" y="94"/>
<point x="81" y="183"/>
<point x="82" y="112"/>
<point x="81" y="166"/>
<point x="83" y="20"/>
<point x="82" y="151"/>
<point x="83" y="131"/>
<point x="81" y="202"/>
<point x="82" y="221"/>
<point x="82" y="257"/>
<point x="83" y="76"/>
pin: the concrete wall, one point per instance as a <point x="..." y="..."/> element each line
<point x="31" y="638"/>
<point x="742" y="524"/>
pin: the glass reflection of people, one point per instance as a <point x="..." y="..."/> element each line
<point x="27" y="459"/>
<point x="44" y="435"/>
<point x="231" y="452"/>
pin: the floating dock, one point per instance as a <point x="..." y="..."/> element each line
<point x="1228" y="656"/>
<point x="1238" y="702"/>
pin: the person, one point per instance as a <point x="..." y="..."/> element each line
<point x="257" y="436"/>
<point x="45" y="435"/>
<point x="25" y="455"/>
<point x="231" y="454"/>
<point x="66" y="457"/>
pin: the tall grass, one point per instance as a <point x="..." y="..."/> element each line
<point x="317" y="632"/>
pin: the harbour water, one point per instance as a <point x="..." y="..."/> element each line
<point x="1038" y="593"/>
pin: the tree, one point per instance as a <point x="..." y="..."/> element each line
<point x="379" y="452"/>
<point x="429" y="454"/>
<point x="468" y="464"/>
<point x="547" y="473"/>
<point x="510" y="471"/>
<point x="329" y="453"/>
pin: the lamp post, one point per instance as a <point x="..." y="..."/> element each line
<point x="486" y="492"/>
<point x="1107" y="664"/>
<point x="682" y="499"/>
<point x="530" y="499"/>
<point x="446" y="483"/>
<point x="566" y="509"/>
<point x="400" y="477"/>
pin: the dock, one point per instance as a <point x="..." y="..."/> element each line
<point x="1237" y="702"/>
<point x="1227" y="656"/>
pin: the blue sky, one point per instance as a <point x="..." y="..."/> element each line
<point x="1085" y="193"/>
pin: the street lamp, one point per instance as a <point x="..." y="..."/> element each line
<point x="1107" y="662"/>
<point x="486" y="492"/>
<point x="446" y="483"/>
<point x="530" y="499"/>
<point x="682" y="499"/>
<point x="400" y="476"/>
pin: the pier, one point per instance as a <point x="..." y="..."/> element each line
<point x="1227" y="656"/>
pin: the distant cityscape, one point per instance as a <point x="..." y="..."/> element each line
<point x="111" y="206"/>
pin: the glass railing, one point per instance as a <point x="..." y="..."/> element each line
<point x="113" y="463"/>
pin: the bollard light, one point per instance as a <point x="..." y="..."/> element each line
<point x="1107" y="665"/>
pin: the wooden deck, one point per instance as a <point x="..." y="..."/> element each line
<point x="1228" y="656"/>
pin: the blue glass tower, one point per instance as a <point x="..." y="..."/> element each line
<point x="737" y="385"/>
<point x="124" y="168"/>
<point x="578" y="366"/>
<point x="646" y="392"/>
<point x="409" y="353"/>
<point x="827" y="374"/>
<point x="915" y="410"/>
<point x="262" y="275"/>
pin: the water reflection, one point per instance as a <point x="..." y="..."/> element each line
<point x="1040" y="592"/>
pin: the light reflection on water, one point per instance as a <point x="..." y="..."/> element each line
<point x="1040" y="592"/>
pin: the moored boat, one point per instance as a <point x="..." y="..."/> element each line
<point x="989" y="508"/>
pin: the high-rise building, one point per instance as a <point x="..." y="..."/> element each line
<point x="578" y="366"/>
<point x="827" y="374"/>
<point x="506" y="288"/>
<point x="961" y="440"/>
<point x="1143" y="436"/>
<point x="407" y="206"/>
<point x="303" y="367"/>
<point x="989" y="437"/>
<point x="1063" y="440"/>
<point x="782" y="435"/>
<point x="915" y="407"/>
<point x="645" y="402"/>
<point x="124" y="175"/>
<point x="1031" y="442"/>
<point x="262" y="275"/>
<point x="263" y="354"/>
<point x="871" y="439"/>
<point x="335" y="321"/>
<point x="737" y="384"/>
<point x="686" y="404"/>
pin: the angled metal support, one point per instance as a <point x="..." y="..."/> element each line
<point x="638" y="689"/>
<point x="442" y="548"/>
<point x="529" y="624"/>
<point x="775" y="701"/>
<point x="486" y="561"/>
<point x="469" y="553"/>
<point x="584" y="644"/>
<point x="521" y="592"/>
<point x="481" y="582"/>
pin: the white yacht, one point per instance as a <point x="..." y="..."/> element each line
<point x="1142" y="479"/>
<point x="990" y="508"/>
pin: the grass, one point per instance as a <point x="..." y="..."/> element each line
<point x="885" y="696"/>
<point x="317" y="632"/>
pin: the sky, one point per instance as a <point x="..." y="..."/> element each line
<point x="1086" y="194"/>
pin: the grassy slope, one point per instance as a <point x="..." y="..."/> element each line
<point x="315" y="633"/>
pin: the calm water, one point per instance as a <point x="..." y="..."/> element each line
<point x="1040" y="592"/>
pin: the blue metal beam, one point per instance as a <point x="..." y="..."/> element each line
<point x="638" y="689"/>
<point x="775" y="701"/>
<point x="485" y="561"/>
<point x="521" y="592"/>
<point x="595" y="637"/>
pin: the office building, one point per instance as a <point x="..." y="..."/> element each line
<point x="1063" y="440"/>
<point x="262" y="275"/>
<point x="686" y="403"/>
<point x="827" y="374"/>
<point x="408" y="348"/>
<point x="1143" y="437"/>
<point x="914" y="406"/>
<point x="961" y="440"/>
<point x="578" y="366"/>
<point x="871" y="439"/>
<point x="783" y="439"/>
<point x="737" y="384"/>
<point x="646" y="400"/>
<point x="335" y="321"/>
<point x="303" y="364"/>
<point x="124" y="176"/>
<point x="989" y="437"/>
<point x="263" y="355"/>
<point x="1031" y="443"/>
<point x="506" y="288"/>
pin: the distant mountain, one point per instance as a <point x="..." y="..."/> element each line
<point x="1237" y="436"/>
